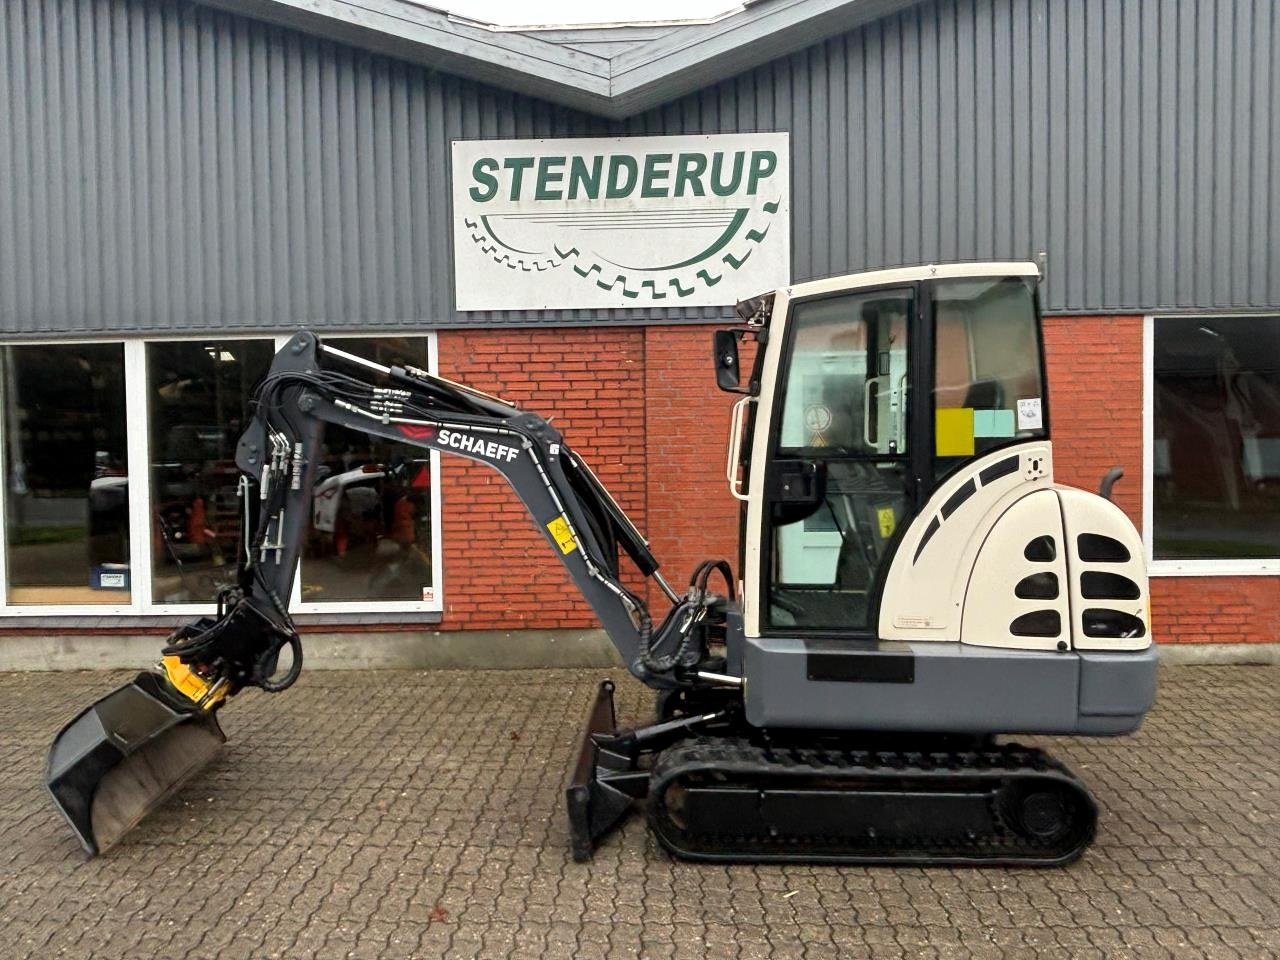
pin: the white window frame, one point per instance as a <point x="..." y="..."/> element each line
<point x="1179" y="568"/>
<point x="138" y="459"/>
<point x="139" y="409"/>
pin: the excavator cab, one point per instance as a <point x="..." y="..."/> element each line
<point x="940" y="537"/>
<point x="912" y="585"/>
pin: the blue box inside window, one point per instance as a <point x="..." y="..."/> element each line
<point x="109" y="576"/>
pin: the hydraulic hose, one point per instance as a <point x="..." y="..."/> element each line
<point x="267" y="662"/>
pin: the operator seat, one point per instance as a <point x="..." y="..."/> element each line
<point x="985" y="395"/>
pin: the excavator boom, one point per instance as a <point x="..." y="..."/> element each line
<point x="124" y="755"/>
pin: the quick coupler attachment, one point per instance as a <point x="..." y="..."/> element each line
<point x="123" y="756"/>
<point x="603" y="781"/>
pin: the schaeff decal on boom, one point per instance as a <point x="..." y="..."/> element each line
<point x="490" y="449"/>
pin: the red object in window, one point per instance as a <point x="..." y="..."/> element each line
<point x="197" y="533"/>
<point x="341" y="536"/>
<point x="421" y="479"/>
<point x="402" y="531"/>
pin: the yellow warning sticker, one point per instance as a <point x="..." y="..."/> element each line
<point x="888" y="522"/>
<point x="559" y="528"/>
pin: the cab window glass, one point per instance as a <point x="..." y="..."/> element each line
<point x="989" y="385"/>
<point x="847" y="385"/>
<point x="845" y="409"/>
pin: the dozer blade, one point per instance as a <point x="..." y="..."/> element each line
<point x="602" y="783"/>
<point x="121" y="758"/>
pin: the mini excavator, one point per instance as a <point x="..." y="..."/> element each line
<point x="913" y="587"/>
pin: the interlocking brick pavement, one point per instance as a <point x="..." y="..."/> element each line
<point x="419" y="815"/>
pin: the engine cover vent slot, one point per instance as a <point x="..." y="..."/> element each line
<point x="1039" y="623"/>
<point x="1096" y="548"/>
<point x="1098" y="585"/>
<point x="967" y="490"/>
<point x="929" y="531"/>
<point x="997" y="470"/>
<point x="1115" y="624"/>
<point x="1038" y="586"/>
<point x="1041" y="550"/>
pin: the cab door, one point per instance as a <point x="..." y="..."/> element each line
<point x="839" y="481"/>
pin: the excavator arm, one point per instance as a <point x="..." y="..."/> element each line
<point x="306" y="389"/>
<point x="124" y="755"/>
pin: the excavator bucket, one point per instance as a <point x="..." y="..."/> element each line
<point x="121" y="758"/>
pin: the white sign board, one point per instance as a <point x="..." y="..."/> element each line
<point x="688" y="221"/>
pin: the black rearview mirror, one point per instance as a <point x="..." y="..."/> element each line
<point x="725" y="355"/>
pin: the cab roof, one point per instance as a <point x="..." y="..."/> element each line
<point x="914" y="274"/>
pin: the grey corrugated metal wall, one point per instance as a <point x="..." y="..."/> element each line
<point x="164" y="166"/>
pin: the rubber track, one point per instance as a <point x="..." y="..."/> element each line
<point x="732" y="762"/>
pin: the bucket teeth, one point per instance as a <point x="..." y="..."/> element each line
<point x="124" y="755"/>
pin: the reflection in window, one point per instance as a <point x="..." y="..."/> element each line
<point x="198" y="394"/>
<point x="988" y="382"/>
<point x="66" y="493"/>
<point x="370" y="535"/>
<point x="1216" y="449"/>
<point x="846" y="389"/>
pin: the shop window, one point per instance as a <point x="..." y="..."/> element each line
<point x="198" y="394"/>
<point x="73" y="416"/>
<point x="66" y="516"/>
<point x="371" y="533"/>
<point x="1215" y="457"/>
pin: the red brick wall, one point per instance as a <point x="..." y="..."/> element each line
<point x="498" y="570"/>
<point x="641" y="406"/>
<point x="692" y="516"/>
<point x="1215" y="609"/>
<point x="1095" y="403"/>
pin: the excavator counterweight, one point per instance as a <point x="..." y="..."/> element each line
<point x="912" y="585"/>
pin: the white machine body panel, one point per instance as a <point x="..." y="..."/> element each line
<point x="960" y="569"/>
<point x="1000" y="564"/>
<point x="771" y="375"/>
<point x="1110" y="599"/>
<point x="753" y="560"/>
<point x="1014" y="600"/>
<point x="925" y="588"/>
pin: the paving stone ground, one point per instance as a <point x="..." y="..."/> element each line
<point x="419" y="815"/>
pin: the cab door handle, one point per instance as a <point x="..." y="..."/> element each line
<point x="731" y="471"/>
